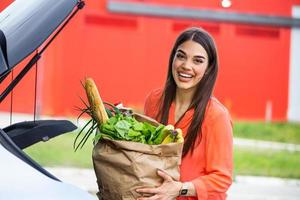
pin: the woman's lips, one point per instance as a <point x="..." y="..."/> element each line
<point x="184" y="77"/>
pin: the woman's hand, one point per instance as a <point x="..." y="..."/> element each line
<point x="168" y="190"/>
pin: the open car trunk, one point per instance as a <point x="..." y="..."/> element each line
<point x="24" y="26"/>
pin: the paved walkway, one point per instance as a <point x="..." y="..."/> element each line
<point x="264" y="188"/>
<point x="277" y="146"/>
<point x="244" y="187"/>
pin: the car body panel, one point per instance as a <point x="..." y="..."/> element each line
<point x="21" y="181"/>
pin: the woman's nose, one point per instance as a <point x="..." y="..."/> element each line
<point x="187" y="65"/>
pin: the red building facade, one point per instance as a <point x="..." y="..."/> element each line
<point x="127" y="55"/>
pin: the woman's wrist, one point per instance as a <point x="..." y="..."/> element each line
<point x="178" y="187"/>
<point x="187" y="189"/>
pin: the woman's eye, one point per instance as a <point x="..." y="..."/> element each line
<point x="179" y="56"/>
<point x="198" y="61"/>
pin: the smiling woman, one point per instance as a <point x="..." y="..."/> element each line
<point x="187" y="102"/>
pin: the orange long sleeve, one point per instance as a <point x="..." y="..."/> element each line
<point x="210" y="166"/>
<point x="218" y="168"/>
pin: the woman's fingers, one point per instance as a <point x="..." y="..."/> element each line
<point x="147" y="190"/>
<point x="157" y="192"/>
<point x="164" y="175"/>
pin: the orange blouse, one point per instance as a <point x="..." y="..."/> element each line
<point x="210" y="167"/>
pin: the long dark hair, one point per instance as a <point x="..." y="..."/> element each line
<point x="203" y="91"/>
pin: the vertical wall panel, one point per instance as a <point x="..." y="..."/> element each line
<point x="294" y="81"/>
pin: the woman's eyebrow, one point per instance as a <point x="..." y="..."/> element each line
<point x="181" y="51"/>
<point x="198" y="56"/>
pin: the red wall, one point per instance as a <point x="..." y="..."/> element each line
<point x="4" y="4"/>
<point x="128" y="55"/>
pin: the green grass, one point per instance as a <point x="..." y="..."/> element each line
<point x="279" y="132"/>
<point x="59" y="152"/>
<point x="267" y="163"/>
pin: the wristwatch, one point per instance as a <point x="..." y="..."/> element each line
<point x="184" y="190"/>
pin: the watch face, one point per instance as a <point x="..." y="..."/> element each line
<point x="183" y="192"/>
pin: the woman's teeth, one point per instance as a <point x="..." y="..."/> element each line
<point x="185" y="75"/>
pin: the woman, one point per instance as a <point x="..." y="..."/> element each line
<point x="186" y="101"/>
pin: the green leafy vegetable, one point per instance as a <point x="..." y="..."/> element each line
<point x="122" y="125"/>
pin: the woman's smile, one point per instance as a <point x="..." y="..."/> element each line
<point x="184" y="77"/>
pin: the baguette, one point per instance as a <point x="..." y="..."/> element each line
<point x="96" y="104"/>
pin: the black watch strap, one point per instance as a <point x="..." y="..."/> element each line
<point x="184" y="190"/>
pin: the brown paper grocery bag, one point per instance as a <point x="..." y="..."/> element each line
<point x="121" y="166"/>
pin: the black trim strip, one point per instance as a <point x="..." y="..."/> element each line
<point x="201" y="14"/>
<point x="3" y="46"/>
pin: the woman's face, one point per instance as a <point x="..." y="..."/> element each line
<point x="189" y="65"/>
